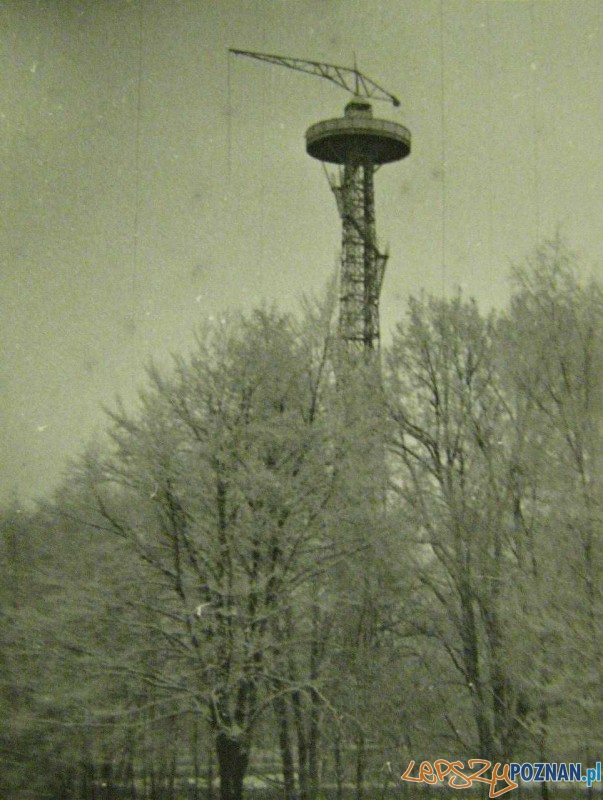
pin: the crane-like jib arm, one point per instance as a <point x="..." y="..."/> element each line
<point x="350" y="79"/>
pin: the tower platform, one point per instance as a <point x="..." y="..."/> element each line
<point x="358" y="136"/>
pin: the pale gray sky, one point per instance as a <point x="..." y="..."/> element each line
<point x="150" y="181"/>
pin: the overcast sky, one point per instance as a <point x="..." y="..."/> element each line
<point x="151" y="181"/>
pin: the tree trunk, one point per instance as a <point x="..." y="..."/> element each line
<point x="107" y="778"/>
<point x="129" y="774"/>
<point x="281" y="710"/>
<point x="210" y="775"/>
<point x="153" y="782"/>
<point x="313" y="745"/>
<point x="233" y="760"/>
<point x="88" y="777"/>
<point x="471" y="662"/>
<point x="172" y="773"/>
<point x="338" y="765"/>
<point x="302" y="745"/>
<point x="195" y="754"/>
<point x="360" y="764"/>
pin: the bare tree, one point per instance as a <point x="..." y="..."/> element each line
<point x="223" y="487"/>
<point x="452" y="466"/>
<point x="552" y="346"/>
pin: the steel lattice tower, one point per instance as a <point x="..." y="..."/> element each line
<point x="360" y="144"/>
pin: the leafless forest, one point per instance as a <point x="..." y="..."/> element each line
<point x="287" y="575"/>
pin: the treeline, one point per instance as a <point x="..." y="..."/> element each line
<point x="297" y="574"/>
